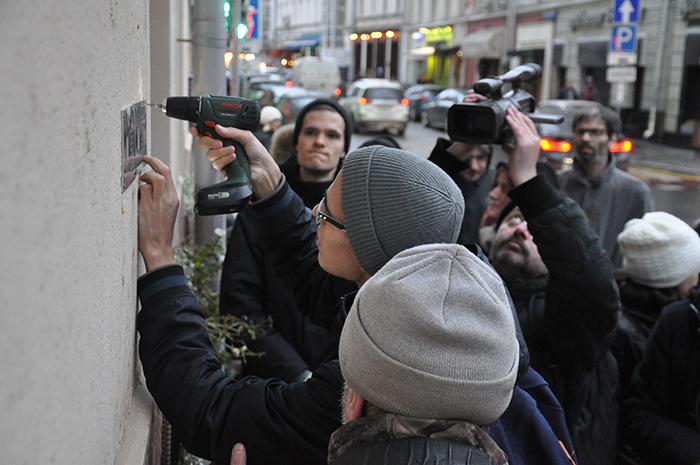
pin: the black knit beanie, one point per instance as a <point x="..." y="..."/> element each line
<point x="336" y="106"/>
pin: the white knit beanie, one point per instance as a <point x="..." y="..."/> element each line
<point x="268" y="114"/>
<point x="659" y="250"/>
<point x="393" y="200"/>
<point x="431" y="336"/>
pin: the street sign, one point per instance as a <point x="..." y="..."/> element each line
<point x="621" y="74"/>
<point x="624" y="38"/>
<point x="626" y="11"/>
<point x="622" y="58"/>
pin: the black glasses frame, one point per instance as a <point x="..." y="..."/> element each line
<point x="322" y="216"/>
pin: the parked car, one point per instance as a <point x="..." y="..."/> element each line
<point x="418" y="96"/>
<point x="556" y="145"/>
<point x="272" y="95"/>
<point x="256" y="85"/>
<point x="291" y="102"/>
<point x="434" y="113"/>
<point x="376" y="104"/>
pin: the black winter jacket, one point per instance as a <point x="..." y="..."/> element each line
<point x="569" y="318"/>
<point x="250" y="287"/>
<point x="661" y="417"/>
<point x="210" y="412"/>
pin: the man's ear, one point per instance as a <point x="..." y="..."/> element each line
<point x="354" y="405"/>
<point x="613" y="139"/>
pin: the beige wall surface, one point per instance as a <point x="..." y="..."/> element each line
<point x="69" y="389"/>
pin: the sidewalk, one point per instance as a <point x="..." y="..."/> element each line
<point x="662" y="157"/>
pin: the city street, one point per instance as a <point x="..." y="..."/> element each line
<point x="673" y="174"/>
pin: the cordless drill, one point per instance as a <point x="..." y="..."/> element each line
<point x="206" y="111"/>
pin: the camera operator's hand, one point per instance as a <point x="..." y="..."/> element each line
<point x="524" y="154"/>
<point x="473" y="97"/>
<point x="265" y="175"/>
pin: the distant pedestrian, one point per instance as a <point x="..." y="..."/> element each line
<point x="609" y="196"/>
<point x="590" y="91"/>
<point x="567" y="91"/>
<point x="270" y="120"/>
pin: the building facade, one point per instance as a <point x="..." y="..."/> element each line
<point x="456" y="42"/>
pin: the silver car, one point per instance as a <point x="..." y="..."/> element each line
<point x="376" y="104"/>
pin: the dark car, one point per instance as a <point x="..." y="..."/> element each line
<point x="418" y="96"/>
<point x="272" y="95"/>
<point x="257" y="88"/>
<point x="434" y="113"/>
<point x="556" y="145"/>
<point x="291" y="102"/>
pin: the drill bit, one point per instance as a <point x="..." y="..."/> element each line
<point x="157" y="105"/>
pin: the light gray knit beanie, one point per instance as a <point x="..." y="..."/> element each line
<point x="431" y="336"/>
<point x="659" y="250"/>
<point x="393" y="200"/>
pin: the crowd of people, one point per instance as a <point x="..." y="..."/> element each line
<point x="435" y="310"/>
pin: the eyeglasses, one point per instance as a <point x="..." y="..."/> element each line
<point x="597" y="132"/>
<point x="479" y="158"/>
<point x="320" y="216"/>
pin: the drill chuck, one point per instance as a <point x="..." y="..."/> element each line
<point x="184" y="108"/>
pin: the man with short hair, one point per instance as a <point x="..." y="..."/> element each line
<point x="468" y="166"/>
<point x="609" y="196"/>
<point x="562" y="285"/>
<point x="251" y="288"/>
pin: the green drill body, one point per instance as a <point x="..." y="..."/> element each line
<point x="206" y="112"/>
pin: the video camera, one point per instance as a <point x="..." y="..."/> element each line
<point x="485" y="122"/>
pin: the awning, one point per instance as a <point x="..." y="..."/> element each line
<point x="488" y="42"/>
<point x="306" y="40"/>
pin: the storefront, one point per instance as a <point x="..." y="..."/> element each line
<point x="376" y="53"/>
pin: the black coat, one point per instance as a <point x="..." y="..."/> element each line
<point x="661" y="416"/>
<point x="250" y="287"/>
<point x="210" y="412"/>
<point x="569" y="317"/>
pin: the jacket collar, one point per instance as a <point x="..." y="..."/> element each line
<point x="385" y="427"/>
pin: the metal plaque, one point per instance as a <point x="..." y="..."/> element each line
<point x="134" y="141"/>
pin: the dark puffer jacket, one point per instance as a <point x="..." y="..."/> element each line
<point x="569" y="318"/>
<point x="661" y="417"/>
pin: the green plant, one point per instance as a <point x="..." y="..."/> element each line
<point x="202" y="266"/>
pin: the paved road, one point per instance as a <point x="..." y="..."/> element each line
<point x="673" y="174"/>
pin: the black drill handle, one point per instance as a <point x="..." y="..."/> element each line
<point x="232" y="170"/>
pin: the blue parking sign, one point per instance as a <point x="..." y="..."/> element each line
<point x="624" y="38"/>
<point x="626" y="11"/>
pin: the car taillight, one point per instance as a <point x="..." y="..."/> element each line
<point x="404" y="101"/>
<point x="337" y="91"/>
<point x="549" y="145"/>
<point x="288" y="84"/>
<point x="363" y="101"/>
<point x="622" y="146"/>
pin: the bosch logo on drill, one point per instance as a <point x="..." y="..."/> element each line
<point x="237" y="106"/>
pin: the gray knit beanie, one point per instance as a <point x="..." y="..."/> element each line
<point x="431" y="336"/>
<point x="393" y="200"/>
<point x="659" y="250"/>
